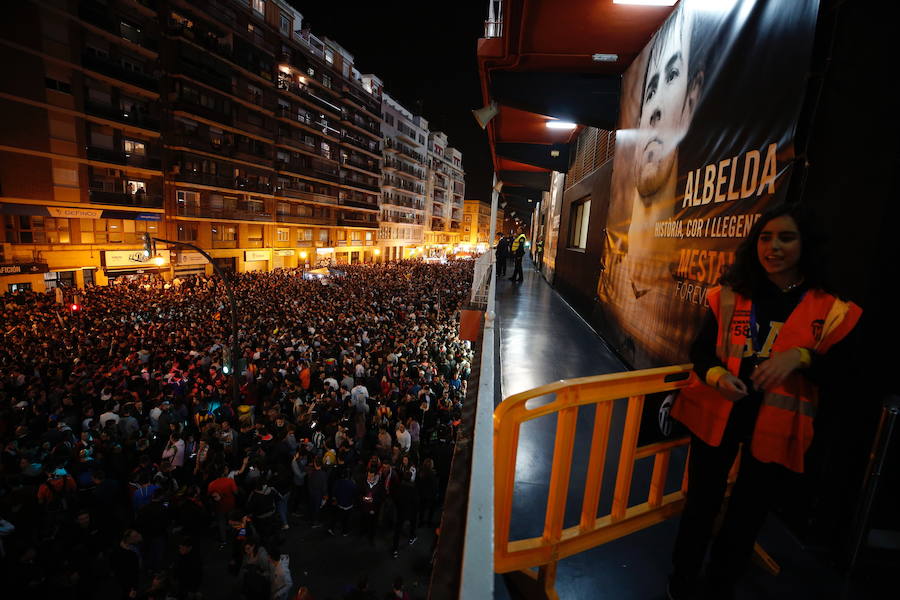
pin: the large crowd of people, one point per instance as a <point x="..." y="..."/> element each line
<point x="124" y="447"/>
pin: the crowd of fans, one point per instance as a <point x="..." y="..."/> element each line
<point x="123" y="448"/>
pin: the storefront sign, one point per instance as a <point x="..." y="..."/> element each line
<point x="284" y="253"/>
<point x="191" y="258"/>
<point x="254" y="255"/>
<point x="131" y="258"/>
<point x="74" y="213"/>
<point x="23" y="268"/>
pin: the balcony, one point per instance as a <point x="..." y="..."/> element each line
<point x="303" y="220"/>
<point x="206" y="75"/>
<point x="113" y="68"/>
<point x="232" y="213"/>
<point x="320" y="126"/>
<point x="305" y="93"/>
<point x="211" y="114"/>
<point x="395" y="200"/>
<point x="361" y="98"/>
<point x="198" y="141"/>
<point x="222" y="181"/>
<point x="249" y="153"/>
<point x="367" y="125"/>
<point x="98" y="14"/>
<point x="359" y="221"/>
<point x="310" y="170"/>
<point x="301" y="194"/>
<point x="359" y="204"/>
<point x="367" y="145"/>
<point x="370" y="165"/>
<point x="125" y="199"/>
<point x="135" y="117"/>
<point x="404" y="168"/>
<point x="121" y="158"/>
<point x="245" y="125"/>
<point x="374" y="188"/>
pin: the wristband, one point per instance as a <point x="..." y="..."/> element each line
<point x="714" y="374"/>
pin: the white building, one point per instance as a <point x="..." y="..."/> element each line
<point x="403" y="200"/>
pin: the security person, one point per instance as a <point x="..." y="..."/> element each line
<point x="518" y="252"/>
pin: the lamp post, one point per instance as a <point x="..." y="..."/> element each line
<point x="229" y="291"/>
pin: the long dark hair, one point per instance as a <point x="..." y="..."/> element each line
<point x="746" y="275"/>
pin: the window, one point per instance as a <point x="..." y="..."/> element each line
<point x="306" y="235"/>
<point x="187" y="232"/>
<point x="259" y="6"/>
<point x="88" y="276"/>
<point x="341" y="234"/>
<point x="323" y="235"/>
<point x="115" y="230"/>
<point x="329" y="56"/>
<point x="285" y="25"/>
<point x="59" y="86"/>
<point x="134" y="147"/>
<point x="255" y="94"/>
<point x="24" y="229"/>
<point x="581" y="214"/>
<point x="326" y="80"/>
<point x="187" y="203"/>
<point x="222" y="232"/>
<point x="283" y="235"/>
<point x="254" y="234"/>
<point x="19" y="287"/>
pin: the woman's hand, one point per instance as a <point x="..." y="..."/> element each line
<point x="731" y="387"/>
<point x="773" y="372"/>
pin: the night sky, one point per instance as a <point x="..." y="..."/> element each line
<point x="426" y="60"/>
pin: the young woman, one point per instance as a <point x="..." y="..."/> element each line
<point x="769" y="322"/>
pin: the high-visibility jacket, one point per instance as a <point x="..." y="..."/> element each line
<point x="518" y="245"/>
<point x="784" y="427"/>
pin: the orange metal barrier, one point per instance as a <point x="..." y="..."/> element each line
<point x="557" y="543"/>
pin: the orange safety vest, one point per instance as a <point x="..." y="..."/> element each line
<point x="784" y="427"/>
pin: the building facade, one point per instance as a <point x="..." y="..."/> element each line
<point x="476" y="228"/>
<point x="403" y="203"/>
<point x="445" y="190"/>
<point x="224" y="124"/>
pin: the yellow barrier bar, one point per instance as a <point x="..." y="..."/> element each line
<point x="596" y="464"/>
<point x="658" y="479"/>
<point x="626" y="456"/>
<point x="561" y="471"/>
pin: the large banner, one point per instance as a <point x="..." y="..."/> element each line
<point x="705" y="144"/>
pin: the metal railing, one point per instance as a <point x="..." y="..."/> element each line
<point x="481" y="279"/>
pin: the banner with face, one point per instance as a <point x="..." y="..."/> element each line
<point x="705" y="143"/>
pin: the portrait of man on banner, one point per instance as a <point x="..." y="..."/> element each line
<point x="705" y="143"/>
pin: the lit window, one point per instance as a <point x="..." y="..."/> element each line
<point x="259" y="6"/>
<point x="285" y="25"/>
<point x="284" y="235"/>
<point x="135" y="148"/>
<point x="329" y="56"/>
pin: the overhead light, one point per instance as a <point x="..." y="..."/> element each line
<point x="530" y="200"/>
<point x="561" y="125"/>
<point x="554" y="153"/>
<point x="484" y="114"/>
<point x="605" y="57"/>
<point x="647" y="2"/>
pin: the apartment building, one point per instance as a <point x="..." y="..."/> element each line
<point x="445" y="190"/>
<point x="222" y="123"/>
<point x="402" y="230"/>
<point x="476" y="226"/>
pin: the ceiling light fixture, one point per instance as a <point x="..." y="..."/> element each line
<point x="561" y="125"/>
<point x="554" y="153"/>
<point x="599" y="57"/>
<point x="647" y="2"/>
